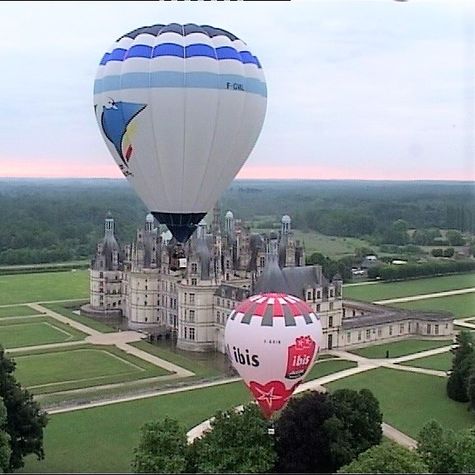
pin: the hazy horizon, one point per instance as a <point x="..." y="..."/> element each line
<point x="356" y="89"/>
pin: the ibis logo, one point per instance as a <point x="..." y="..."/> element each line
<point x="300" y="356"/>
<point x="245" y="358"/>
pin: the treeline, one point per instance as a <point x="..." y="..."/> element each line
<point x="423" y="269"/>
<point x="58" y="220"/>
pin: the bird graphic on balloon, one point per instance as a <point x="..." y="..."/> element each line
<point x="116" y="121"/>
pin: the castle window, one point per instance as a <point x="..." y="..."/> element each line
<point x="348" y="337"/>
<point x="331" y="292"/>
<point x="146" y="319"/>
<point x="218" y="317"/>
<point x="219" y="302"/>
<point x="184" y="298"/>
<point x="146" y="287"/>
<point x="380" y="331"/>
<point x="319" y="294"/>
<point x="101" y="275"/>
<point x="330" y="321"/>
<point x="227" y="264"/>
<point x="262" y="261"/>
<point x="192" y="298"/>
<point x="193" y="281"/>
<point x="354" y="312"/>
<point x="192" y="315"/>
<point x="118" y="303"/>
<point x="145" y="303"/>
<point x="436" y="329"/>
<point x="359" y="336"/>
<point x="401" y="328"/>
<point x="194" y="267"/>
<point x="428" y="328"/>
<point x="368" y="333"/>
<point x="186" y="333"/>
<point x="331" y="305"/>
<point x="192" y="333"/>
<point x="318" y="307"/>
<point x="309" y="295"/>
<point x="390" y="330"/>
<point x="409" y="327"/>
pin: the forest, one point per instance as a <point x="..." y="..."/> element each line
<point x="46" y="220"/>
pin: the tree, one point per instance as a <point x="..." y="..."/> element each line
<point x="387" y="457"/>
<point x="457" y="383"/>
<point x="237" y="442"/>
<point x="162" y="448"/>
<point x="471" y="387"/>
<point x="449" y="252"/>
<point x="455" y="238"/>
<point x="437" y="252"/>
<point x="5" y="450"/>
<point x="321" y="432"/>
<point x="25" y="419"/>
<point x="446" y="451"/>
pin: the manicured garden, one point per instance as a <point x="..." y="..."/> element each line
<point x="408" y="400"/>
<point x="440" y="362"/>
<point x="391" y="290"/>
<point x="17" y="311"/>
<point x="102" y="439"/>
<point x="79" y="367"/>
<point x="399" y="348"/>
<point x="66" y="310"/>
<point x="44" y="286"/>
<point x="461" y="306"/>
<point x="187" y="362"/>
<point x="330" y="366"/>
<point x="36" y="331"/>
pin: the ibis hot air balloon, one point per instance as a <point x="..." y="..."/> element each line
<point x="272" y="340"/>
<point x="180" y="108"/>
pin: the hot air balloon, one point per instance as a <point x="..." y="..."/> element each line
<point x="272" y="340"/>
<point x="180" y="108"/>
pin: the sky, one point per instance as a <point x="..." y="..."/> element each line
<point x="367" y="90"/>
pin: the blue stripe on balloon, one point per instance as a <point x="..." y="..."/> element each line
<point x="172" y="49"/>
<point x="177" y="79"/>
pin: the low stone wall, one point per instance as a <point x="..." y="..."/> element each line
<point x="90" y="311"/>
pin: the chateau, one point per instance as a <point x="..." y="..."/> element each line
<point x="190" y="296"/>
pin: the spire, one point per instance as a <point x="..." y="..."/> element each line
<point x="109" y="225"/>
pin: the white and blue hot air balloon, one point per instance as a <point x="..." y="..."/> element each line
<point x="180" y="108"/>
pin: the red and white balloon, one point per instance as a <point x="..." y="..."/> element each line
<point x="272" y="340"/>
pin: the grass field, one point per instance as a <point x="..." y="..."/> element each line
<point x="440" y="362"/>
<point x="17" y="311"/>
<point x="409" y="400"/>
<point x="399" y="348"/>
<point x="390" y="290"/>
<point x="200" y="369"/>
<point x="58" y="369"/>
<point x="331" y="246"/>
<point x="323" y="368"/>
<point x="44" y="286"/>
<point x="36" y="331"/>
<point x="65" y="310"/>
<point x="461" y="306"/>
<point x="102" y="439"/>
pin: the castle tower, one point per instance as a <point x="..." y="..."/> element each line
<point x="149" y="223"/>
<point x="229" y="224"/>
<point x="285" y="224"/>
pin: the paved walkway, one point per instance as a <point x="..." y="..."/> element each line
<point x="24" y="349"/>
<point x="21" y="304"/>
<point x="428" y="296"/>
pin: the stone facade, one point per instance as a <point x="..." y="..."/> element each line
<point x="188" y="292"/>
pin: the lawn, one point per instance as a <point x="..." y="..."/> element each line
<point x="17" y="311"/>
<point x="102" y="439"/>
<point x="323" y="368"/>
<point x="460" y="306"/>
<point x="66" y="310"/>
<point x="199" y="368"/>
<point x="44" y="286"/>
<point x="408" y="400"/>
<point x="399" y="348"/>
<point x="331" y="246"/>
<point x="391" y="290"/>
<point x="58" y="369"/>
<point x="440" y="362"/>
<point x="36" y="331"/>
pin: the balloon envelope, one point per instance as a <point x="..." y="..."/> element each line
<point x="272" y="340"/>
<point x="180" y="108"/>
